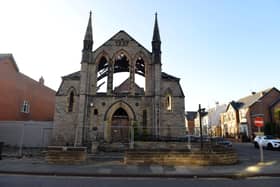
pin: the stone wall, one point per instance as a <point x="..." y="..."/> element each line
<point x="65" y="122"/>
<point x="66" y="155"/>
<point x="228" y="157"/>
<point x="177" y="153"/>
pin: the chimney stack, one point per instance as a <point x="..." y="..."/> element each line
<point x="41" y="81"/>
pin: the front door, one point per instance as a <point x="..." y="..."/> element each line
<point x="120" y="126"/>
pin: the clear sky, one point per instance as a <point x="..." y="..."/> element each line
<point x="221" y="49"/>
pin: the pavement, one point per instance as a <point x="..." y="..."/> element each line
<point x="111" y="165"/>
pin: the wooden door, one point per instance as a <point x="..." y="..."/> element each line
<point x="120" y="129"/>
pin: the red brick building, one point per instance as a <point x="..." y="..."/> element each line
<point x="22" y="98"/>
<point x="240" y="115"/>
<point x="190" y="117"/>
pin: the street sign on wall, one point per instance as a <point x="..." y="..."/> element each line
<point x="259" y="121"/>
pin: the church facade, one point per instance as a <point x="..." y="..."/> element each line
<point x="85" y="114"/>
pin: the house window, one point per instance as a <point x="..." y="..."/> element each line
<point x="71" y="102"/>
<point x="25" y="108"/>
<point x="95" y="112"/>
<point x="168" y="102"/>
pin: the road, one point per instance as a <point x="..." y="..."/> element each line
<point x="247" y="153"/>
<point x="53" y="181"/>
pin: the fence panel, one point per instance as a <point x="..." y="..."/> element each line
<point x="26" y="133"/>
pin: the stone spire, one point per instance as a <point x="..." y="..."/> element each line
<point x="88" y="41"/>
<point x="156" y="43"/>
<point x="156" y="36"/>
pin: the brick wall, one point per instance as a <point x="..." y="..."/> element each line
<point x="262" y="107"/>
<point x="16" y="87"/>
<point x="275" y="112"/>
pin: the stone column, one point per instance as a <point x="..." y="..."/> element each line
<point x="82" y="105"/>
<point x="107" y="131"/>
<point x="157" y="101"/>
<point x="110" y="77"/>
<point x="149" y="80"/>
<point x="132" y="78"/>
<point x="93" y="79"/>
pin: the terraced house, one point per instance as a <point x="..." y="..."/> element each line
<point x="238" y="120"/>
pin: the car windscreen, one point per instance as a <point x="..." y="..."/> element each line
<point x="269" y="137"/>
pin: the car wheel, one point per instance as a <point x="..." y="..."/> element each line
<point x="269" y="146"/>
<point x="256" y="145"/>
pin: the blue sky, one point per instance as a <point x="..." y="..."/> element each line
<point x="221" y="49"/>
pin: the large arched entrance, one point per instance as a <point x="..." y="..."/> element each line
<point x="120" y="126"/>
<point x="119" y="117"/>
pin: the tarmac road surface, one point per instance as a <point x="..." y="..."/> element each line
<point x="55" y="181"/>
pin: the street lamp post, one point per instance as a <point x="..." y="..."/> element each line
<point x="200" y="110"/>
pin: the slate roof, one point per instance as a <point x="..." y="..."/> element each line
<point x="124" y="88"/>
<point x="169" y="77"/>
<point x="72" y="76"/>
<point x="191" y="115"/>
<point x="249" y="100"/>
<point x="235" y="105"/>
<point x="76" y="76"/>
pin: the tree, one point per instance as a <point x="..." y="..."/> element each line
<point x="269" y="128"/>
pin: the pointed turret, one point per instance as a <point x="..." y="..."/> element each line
<point x="156" y="36"/>
<point x="88" y="41"/>
<point x="156" y="43"/>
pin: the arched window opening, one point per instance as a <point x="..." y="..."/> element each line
<point x="120" y="113"/>
<point x="168" y="102"/>
<point x="95" y="112"/>
<point x="102" y="73"/>
<point x="140" y="73"/>
<point x="121" y="74"/>
<point x="71" y="102"/>
<point x="121" y="64"/>
<point x="140" y="66"/>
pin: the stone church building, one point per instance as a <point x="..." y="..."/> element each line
<point x="84" y="114"/>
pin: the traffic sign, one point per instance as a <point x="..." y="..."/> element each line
<point x="259" y="121"/>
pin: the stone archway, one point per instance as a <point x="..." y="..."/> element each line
<point x="119" y="117"/>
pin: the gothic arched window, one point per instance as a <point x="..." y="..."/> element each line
<point x="71" y="102"/>
<point x="168" y="102"/>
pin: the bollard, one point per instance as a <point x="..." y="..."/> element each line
<point x="131" y="144"/>
<point x="261" y="152"/>
<point x="189" y="142"/>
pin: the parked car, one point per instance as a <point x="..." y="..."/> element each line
<point x="268" y="142"/>
<point x="221" y="141"/>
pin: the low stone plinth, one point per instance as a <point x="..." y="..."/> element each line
<point x="149" y="145"/>
<point x="66" y="155"/>
<point x="178" y="154"/>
